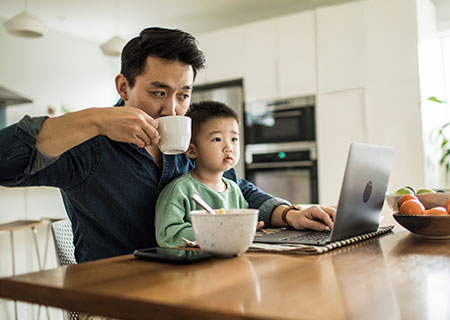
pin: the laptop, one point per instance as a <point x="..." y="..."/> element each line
<point x="361" y="199"/>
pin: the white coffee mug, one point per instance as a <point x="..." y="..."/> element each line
<point x="174" y="134"/>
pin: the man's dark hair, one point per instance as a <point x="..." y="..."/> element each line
<point x="170" y="44"/>
<point x="202" y="111"/>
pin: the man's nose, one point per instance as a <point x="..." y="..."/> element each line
<point x="169" y="107"/>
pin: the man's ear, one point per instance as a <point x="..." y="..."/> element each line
<point x="122" y="86"/>
<point x="191" y="152"/>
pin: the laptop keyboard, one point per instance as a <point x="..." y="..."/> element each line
<point x="312" y="236"/>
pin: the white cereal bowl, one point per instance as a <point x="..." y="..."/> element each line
<point x="225" y="234"/>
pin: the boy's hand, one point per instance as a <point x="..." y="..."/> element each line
<point x="260" y="225"/>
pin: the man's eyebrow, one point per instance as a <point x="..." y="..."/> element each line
<point x="159" y="84"/>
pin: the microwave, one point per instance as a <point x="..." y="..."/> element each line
<point x="285" y="120"/>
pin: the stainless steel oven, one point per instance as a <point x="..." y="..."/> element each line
<point x="280" y="148"/>
<point x="287" y="170"/>
<point x="286" y="120"/>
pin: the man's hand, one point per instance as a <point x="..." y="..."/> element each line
<point x="124" y="124"/>
<point x="131" y="125"/>
<point x="315" y="217"/>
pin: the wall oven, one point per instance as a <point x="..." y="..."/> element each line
<point x="285" y="170"/>
<point x="280" y="149"/>
<point x="287" y="120"/>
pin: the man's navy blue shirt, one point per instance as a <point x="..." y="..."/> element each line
<point x="109" y="188"/>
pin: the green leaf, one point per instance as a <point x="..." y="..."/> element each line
<point x="64" y="109"/>
<point x="434" y="99"/>
<point x="444" y="157"/>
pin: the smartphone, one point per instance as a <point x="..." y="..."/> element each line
<point x="172" y="255"/>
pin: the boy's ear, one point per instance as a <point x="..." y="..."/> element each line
<point x="191" y="152"/>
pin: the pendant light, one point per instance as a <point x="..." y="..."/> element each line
<point x="25" y="24"/>
<point x="113" y="47"/>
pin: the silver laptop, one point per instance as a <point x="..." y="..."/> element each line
<point x="361" y="199"/>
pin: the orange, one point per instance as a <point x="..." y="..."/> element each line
<point x="412" y="207"/>
<point x="437" y="211"/>
<point x="447" y="206"/>
<point x="405" y="198"/>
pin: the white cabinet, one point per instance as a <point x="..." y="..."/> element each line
<point x="297" y="55"/>
<point x="260" y="59"/>
<point x="280" y="57"/>
<point x="224" y="55"/>
<point x="341" y="47"/>
<point x="341" y="118"/>
<point x="275" y="57"/>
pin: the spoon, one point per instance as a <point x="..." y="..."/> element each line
<point x="202" y="203"/>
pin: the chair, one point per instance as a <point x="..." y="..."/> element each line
<point x="63" y="238"/>
<point x="65" y="251"/>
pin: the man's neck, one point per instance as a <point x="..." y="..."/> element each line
<point x="156" y="155"/>
<point x="212" y="180"/>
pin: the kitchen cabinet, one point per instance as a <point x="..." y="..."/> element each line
<point x="280" y="57"/>
<point x="260" y="59"/>
<point x="275" y="57"/>
<point x="341" y="47"/>
<point x="223" y="50"/>
<point x="297" y="55"/>
<point x="341" y="118"/>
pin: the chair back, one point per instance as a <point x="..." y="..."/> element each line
<point x="63" y="238"/>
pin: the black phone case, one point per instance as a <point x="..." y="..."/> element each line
<point x="184" y="257"/>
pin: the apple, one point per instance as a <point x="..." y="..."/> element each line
<point x="423" y="191"/>
<point x="402" y="191"/>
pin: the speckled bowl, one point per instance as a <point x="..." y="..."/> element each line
<point x="225" y="234"/>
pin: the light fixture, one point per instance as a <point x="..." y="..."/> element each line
<point x="25" y="25"/>
<point x="113" y="47"/>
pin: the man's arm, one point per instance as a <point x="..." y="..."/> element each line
<point x="124" y="124"/>
<point x="314" y="217"/>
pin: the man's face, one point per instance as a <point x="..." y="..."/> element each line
<point x="163" y="89"/>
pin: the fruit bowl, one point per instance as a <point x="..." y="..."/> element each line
<point x="427" y="226"/>
<point x="429" y="200"/>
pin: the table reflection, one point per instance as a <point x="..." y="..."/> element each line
<point x="428" y="285"/>
<point x="372" y="289"/>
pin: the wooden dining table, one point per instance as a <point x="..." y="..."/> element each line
<point x="396" y="276"/>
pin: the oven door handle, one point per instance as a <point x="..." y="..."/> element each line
<point x="281" y="114"/>
<point x="287" y="164"/>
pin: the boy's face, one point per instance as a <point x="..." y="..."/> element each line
<point x="163" y="89"/>
<point x="216" y="146"/>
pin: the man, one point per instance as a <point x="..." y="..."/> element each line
<point x="106" y="161"/>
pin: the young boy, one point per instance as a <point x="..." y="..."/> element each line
<point x="215" y="148"/>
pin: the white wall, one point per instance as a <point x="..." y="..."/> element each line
<point x="54" y="70"/>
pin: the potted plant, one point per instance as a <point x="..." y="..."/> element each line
<point x="442" y="137"/>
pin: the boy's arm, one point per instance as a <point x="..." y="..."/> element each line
<point x="170" y="224"/>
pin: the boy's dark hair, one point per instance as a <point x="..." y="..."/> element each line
<point x="202" y="111"/>
<point x="170" y="44"/>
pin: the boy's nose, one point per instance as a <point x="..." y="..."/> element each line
<point x="228" y="148"/>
